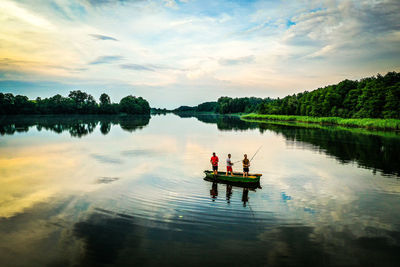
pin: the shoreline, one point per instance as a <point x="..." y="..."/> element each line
<point x="365" y="123"/>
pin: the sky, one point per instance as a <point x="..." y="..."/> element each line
<point x="184" y="52"/>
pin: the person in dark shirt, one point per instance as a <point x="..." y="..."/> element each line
<point x="246" y="165"/>
<point x="214" y="162"/>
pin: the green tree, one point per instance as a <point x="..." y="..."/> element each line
<point x="78" y="96"/>
<point x="133" y="105"/>
<point x="104" y="99"/>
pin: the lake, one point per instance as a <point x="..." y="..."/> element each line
<point x="129" y="190"/>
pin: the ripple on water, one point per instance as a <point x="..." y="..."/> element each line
<point x="171" y="203"/>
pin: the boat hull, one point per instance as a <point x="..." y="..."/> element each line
<point x="237" y="177"/>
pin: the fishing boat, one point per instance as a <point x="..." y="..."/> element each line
<point x="237" y="177"/>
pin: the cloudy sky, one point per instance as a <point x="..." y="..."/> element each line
<point x="175" y="52"/>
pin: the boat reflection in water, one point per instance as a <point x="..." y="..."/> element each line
<point x="229" y="189"/>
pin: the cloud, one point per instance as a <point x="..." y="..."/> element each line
<point x="105" y="2"/>
<point x="170" y="3"/>
<point x="236" y="61"/>
<point x="106" y="159"/>
<point x="105" y="60"/>
<point x="270" y="48"/>
<point x="16" y="11"/>
<point x="103" y="37"/>
<point x="345" y="28"/>
<point x="135" y="67"/>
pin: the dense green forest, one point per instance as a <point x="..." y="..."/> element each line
<point x="373" y="97"/>
<point x="225" y="105"/>
<point x="77" y="102"/>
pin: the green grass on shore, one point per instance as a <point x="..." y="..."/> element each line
<point x="369" y="123"/>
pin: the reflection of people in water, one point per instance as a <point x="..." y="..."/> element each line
<point x="214" y="191"/>
<point x="245" y="196"/>
<point x="228" y="193"/>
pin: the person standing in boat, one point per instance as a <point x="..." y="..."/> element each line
<point x="229" y="165"/>
<point x="246" y="165"/>
<point x="214" y="162"/>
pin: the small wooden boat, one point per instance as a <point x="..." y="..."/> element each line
<point x="237" y="177"/>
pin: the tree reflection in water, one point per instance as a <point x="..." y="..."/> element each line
<point x="370" y="151"/>
<point x="376" y="152"/>
<point x="77" y="125"/>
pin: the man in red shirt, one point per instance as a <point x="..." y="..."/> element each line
<point x="214" y="162"/>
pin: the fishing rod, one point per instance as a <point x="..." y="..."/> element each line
<point x="255" y="153"/>
<point x="251" y="157"/>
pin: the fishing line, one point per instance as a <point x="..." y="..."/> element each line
<point x="251" y="157"/>
<point x="255" y="153"/>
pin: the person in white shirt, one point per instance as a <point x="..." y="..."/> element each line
<point x="229" y="165"/>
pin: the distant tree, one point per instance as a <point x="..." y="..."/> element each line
<point x="134" y="105"/>
<point x="78" y="96"/>
<point x="373" y="97"/>
<point x="185" y="109"/>
<point x="104" y="99"/>
<point x="238" y="105"/>
<point x="207" y="107"/>
<point x="6" y="103"/>
<point x="392" y="106"/>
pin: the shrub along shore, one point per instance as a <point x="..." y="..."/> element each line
<point x="368" y="123"/>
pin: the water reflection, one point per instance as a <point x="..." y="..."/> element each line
<point x="245" y="196"/>
<point x="228" y="193"/>
<point x="104" y="238"/>
<point x="125" y="198"/>
<point x="378" y="153"/>
<point x="371" y="151"/>
<point x="229" y="190"/>
<point x="224" y="122"/>
<point x="76" y="125"/>
<point x="214" y="191"/>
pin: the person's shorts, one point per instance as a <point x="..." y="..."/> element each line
<point x="245" y="169"/>
<point x="215" y="168"/>
<point x="229" y="168"/>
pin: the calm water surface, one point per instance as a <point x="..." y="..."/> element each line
<point x="94" y="191"/>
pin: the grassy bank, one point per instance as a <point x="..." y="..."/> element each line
<point x="368" y="123"/>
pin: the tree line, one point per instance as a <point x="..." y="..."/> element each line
<point x="77" y="102"/>
<point x="372" y="97"/>
<point x="225" y="105"/>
